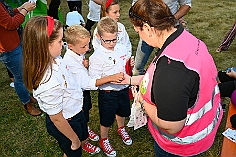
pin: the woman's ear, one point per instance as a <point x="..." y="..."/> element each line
<point x="149" y="30"/>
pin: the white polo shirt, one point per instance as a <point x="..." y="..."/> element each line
<point x="122" y="35"/>
<point x="105" y="62"/>
<point x="94" y="11"/>
<point x="79" y="72"/>
<point x="60" y="92"/>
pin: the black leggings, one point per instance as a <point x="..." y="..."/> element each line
<point x="72" y="4"/>
<point x="227" y="85"/>
<point x="89" y="25"/>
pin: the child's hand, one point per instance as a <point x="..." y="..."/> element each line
<point x="117" y="78"/>
<point x="231" y="73"/>
<point x="132" y="61"/>
<point x="75" y="144"/>
<point x="126" y="80"/>
<point x="85" y="62"/>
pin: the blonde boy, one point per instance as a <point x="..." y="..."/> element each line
<point x="78" y="38"/>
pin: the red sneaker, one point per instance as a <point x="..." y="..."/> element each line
<point x="124" y="135"/>
<point x="107" y="148"/>
<point x="91" y="149"/>
<point x="92" y="135"/>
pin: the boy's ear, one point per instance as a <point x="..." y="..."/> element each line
<point x="70" y="46"/>
<point x="98" y="36"/>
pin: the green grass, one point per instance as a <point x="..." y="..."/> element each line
<point x="24" y="135"/>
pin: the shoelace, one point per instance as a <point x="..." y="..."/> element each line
<point x="124" y="134"/>
<point x="107" y="146"/>
<point x="91" y="133"/>
<point x="90" y="146"/>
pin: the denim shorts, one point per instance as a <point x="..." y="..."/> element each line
<point x="78" y="124"/>
<point x="112" y="103"/>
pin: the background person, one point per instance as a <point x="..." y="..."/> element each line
<point x="224" y="45"/>
<point x="11" y="48"/>
<point x="183" y="115"/>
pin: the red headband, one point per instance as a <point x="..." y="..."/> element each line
<point x="50" y="25"/>
<point x="108" y="3"/>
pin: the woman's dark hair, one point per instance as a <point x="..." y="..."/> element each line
<point x="153" y="12"/>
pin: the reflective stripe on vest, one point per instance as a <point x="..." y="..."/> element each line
<point x="196" y="137"/>
<point x="191" y="118"/>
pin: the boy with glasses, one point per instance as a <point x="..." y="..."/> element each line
<point x="113" y="99"/>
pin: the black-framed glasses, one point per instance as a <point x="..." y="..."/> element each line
<point x="131" y="14"/>
<point x="109" y="41"/>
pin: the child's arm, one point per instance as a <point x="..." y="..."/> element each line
<point x="111" y="78"/>
<point x="64" y="127"/>
<point x="99" y="2"/>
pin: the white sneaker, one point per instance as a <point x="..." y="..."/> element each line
<point x="12" y="85"/>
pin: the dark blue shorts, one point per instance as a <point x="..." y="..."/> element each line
<point x="112" y="103"/>
<point x="87" y="104"/>
<point x="78" y="124"/>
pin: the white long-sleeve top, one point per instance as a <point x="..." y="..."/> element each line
<point x="60" y="92"/>
<point x="105" y="62"/>
<point x="79" y="72"/>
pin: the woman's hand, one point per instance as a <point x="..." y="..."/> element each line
<point x="29" y="6"/>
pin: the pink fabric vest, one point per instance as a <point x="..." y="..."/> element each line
<point x="204" y="117"/>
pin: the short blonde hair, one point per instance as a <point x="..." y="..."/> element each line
<point x="108" y="25"/>
<point x="75" y="33"/>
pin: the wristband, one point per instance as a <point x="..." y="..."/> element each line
<point x="25" y="10"/>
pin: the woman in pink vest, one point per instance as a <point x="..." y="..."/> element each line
<point x="179" y="91"/>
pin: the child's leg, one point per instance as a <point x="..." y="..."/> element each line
<point x="122" y="112"/>
<point x="87" y="105"/>
<point x="104" y="131"/>
<point x="120" y="121"/>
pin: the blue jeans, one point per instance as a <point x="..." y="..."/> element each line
<point x="159" y="152"/>
<point x="13" y="61"/>
<point x="142" y="54"/>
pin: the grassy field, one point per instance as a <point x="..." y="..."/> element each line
<point x="24" y="135"/>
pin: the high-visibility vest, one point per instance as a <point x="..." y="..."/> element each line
<point x="204" y="117"/>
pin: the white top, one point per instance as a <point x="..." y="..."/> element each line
<point x="60" y="92"/>
<point x="79" y="72"/>
<point x="123" y="39"/>
<point x="105" y="62"/>
<point x="74" y="18"/>
<point x="173" y="4"/>
<point x="94" y="11"/>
